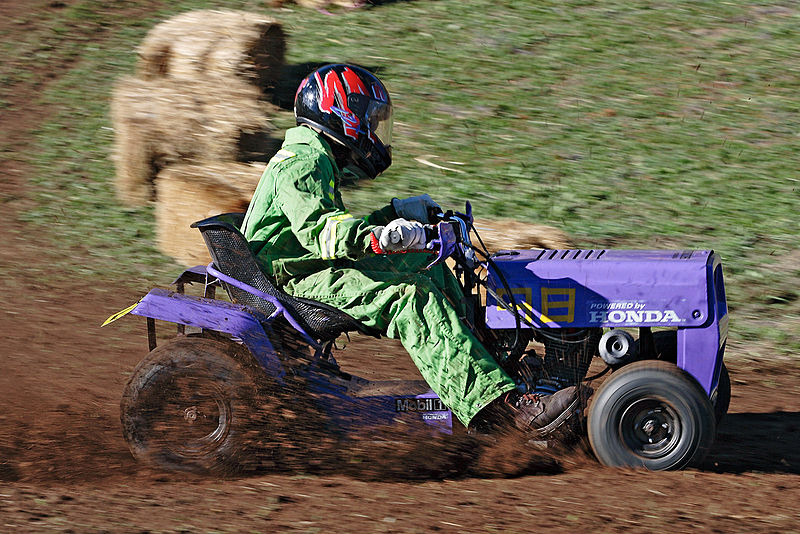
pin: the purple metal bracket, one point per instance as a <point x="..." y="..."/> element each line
<point x="468" y="215"/>
<point x="280" y="309"/>
<point x="447" y="241"/>
<point x="191" y="275"/>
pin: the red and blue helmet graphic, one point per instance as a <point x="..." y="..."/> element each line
<point x="334" y="97"/>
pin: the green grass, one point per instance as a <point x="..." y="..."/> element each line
<point x="628" y="124"/>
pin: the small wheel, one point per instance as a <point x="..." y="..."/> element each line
<point x="723" y="400"/>
<point x="651" y="414"/>
<point x="191" y="406"/>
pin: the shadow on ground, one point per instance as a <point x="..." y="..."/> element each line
<point x="760" y="442"/>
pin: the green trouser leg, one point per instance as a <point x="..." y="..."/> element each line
<point x="386" y="293"/>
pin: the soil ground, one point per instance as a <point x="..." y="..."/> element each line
<point x="64" y="465"/>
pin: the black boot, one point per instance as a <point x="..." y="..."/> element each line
<point x="544" y="413"/>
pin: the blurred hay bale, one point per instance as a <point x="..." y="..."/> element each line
<point x="167" y="121"/>
<point x="505" y="234"/>
<point x="215" y="43"/>
<point x="189" y="193"/>
<point x="133" y="153"/>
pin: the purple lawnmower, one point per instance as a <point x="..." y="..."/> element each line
<point x="543" y="314"/>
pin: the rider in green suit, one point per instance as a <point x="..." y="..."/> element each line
<point x="304" y="236"/>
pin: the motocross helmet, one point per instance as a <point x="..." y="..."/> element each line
<point x="351" y="106"/>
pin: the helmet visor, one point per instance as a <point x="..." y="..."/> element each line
<point x="376" y="116"/>
<point x="379" y="118"/>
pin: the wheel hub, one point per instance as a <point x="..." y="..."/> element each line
<point x="650" y="428"/>
<point x="655" y="427"/>
<point x="190" y="414"/>
<point x="195" y="417"/>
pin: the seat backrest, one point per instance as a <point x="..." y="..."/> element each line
<point x="232" y="256"/>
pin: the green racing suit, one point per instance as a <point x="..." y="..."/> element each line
<point x="304" y="237"/>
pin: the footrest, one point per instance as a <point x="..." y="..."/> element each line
<point x="387" y="388"/>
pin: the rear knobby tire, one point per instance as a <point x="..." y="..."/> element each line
<point x="195" y="404"/>
<point x="651" y="414"/>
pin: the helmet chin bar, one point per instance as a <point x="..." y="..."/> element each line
<point x="355" y="158"/>
<point x="351" y="174"/>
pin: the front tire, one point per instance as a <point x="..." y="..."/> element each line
<point x="651" y="414"/>
<point x="666" y="347"/>
<point x="191" y="405"/>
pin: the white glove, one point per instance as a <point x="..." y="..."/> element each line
<point x="415" y="208"/>
<point x="400" y="235"/>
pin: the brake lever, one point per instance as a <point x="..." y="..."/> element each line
<point x="445" y="241"/>
<point x="450" y="231"/>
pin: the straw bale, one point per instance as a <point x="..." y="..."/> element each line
<point x="215" y="43"/>
<point x="189" y="193"/>
<point x="505" y="234"/>
<point x="133" y="153"/>
<point x="162" y="122"/>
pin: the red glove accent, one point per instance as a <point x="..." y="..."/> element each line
<point x="375" y="245"/>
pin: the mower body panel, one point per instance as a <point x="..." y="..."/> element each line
<point x="619" y="288"/>
<point x="367" y="404"/>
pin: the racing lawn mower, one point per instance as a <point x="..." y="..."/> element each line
<point x="543" y="314"/>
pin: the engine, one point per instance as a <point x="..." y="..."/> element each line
<point x="565" y="362"/>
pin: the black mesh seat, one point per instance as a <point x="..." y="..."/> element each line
<point x="232" y="257"/>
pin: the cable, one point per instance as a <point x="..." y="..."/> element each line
<point x="515" y="311"/>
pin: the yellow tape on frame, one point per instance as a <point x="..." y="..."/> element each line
<point x="119" y="314"/>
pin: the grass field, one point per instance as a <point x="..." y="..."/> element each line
<point x="627" y="124"/>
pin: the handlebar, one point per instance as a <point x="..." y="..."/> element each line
<point x="452" y="239"/>
<point x="449" y="235"/>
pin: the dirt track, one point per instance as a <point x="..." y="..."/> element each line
<point x="64" y="466"/>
